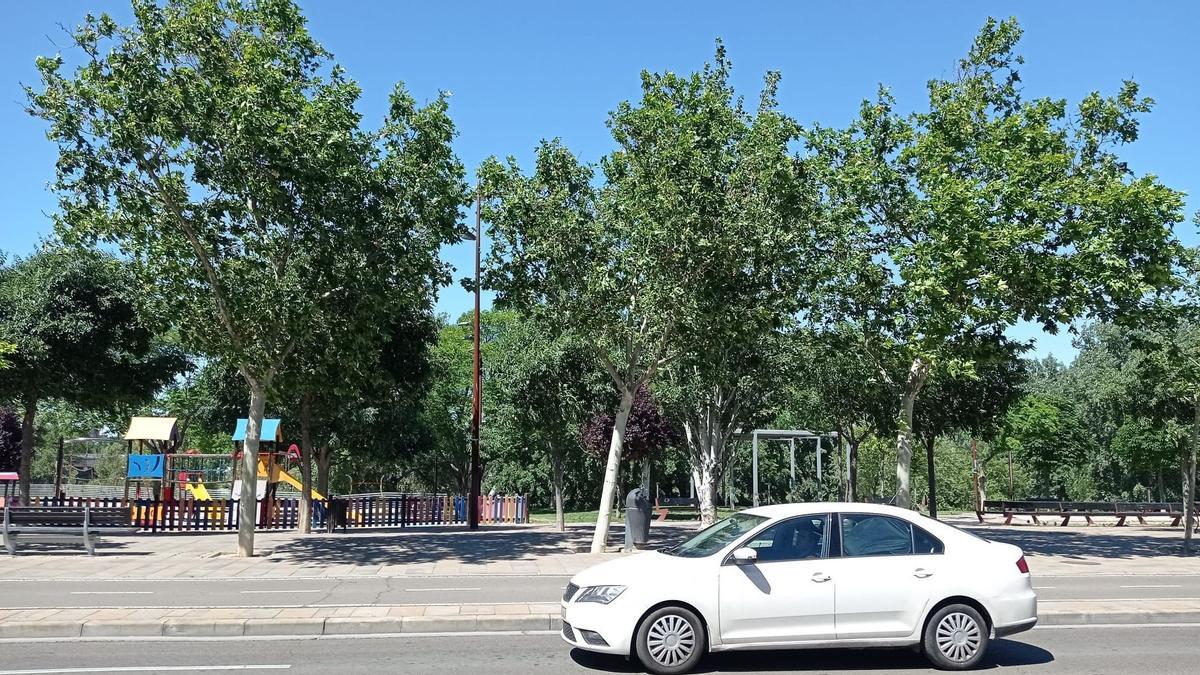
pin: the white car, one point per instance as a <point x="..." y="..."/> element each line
<point x="805" y="575"/>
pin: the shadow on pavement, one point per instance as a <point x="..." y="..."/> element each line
<point x="433" y="545"/>
<point x="1070" y="543"/>
<point x="1001" y="654"/>
<point x="104" y="547"/>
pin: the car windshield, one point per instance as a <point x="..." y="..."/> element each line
<point x="718" y="536"/>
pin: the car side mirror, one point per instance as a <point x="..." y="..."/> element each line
<point x="745" y="556"/>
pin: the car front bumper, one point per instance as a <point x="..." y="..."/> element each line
<point x="612" y="622"/>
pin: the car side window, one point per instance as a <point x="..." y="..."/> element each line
<point x="795" y="539"/>
<point x="925" y="543"/>
<point x="870" y="535"/>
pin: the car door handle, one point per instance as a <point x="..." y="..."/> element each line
<point x="821" y="577"/>
<point x="922" y="573"/>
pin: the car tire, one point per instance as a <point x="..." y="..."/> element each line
<point x="671" y="641"/>
<point x="956" y="638"/>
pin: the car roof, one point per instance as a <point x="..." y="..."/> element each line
<point x="802" y="508"/>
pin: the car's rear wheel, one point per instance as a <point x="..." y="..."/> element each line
<point x="670" y="641"/>
<point x="956" y="638"/>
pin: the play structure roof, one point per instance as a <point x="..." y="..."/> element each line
<point x="8" y="475"/>
<point x="270" y="431"/>
<point x="152" y="429"/>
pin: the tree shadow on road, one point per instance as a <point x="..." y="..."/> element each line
<point x="1070" y="543"/>
<point x="1001" y="654"/>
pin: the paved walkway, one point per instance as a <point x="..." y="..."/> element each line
<point x="499" y="550"/>
<point x="524" y="550"/>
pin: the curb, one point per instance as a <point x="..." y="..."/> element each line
<point x="391" y="625"/>
<point x="1131" y="617"/>
<point x="225" y="628"/>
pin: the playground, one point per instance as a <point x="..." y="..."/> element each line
<point x="171" y="489"/>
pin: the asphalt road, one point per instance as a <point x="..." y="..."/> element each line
<point x="439" y="590"/>
<point x="1164" y="650"/>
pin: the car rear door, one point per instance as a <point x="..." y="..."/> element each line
<point x="787" y="595"/>
<point x="886" y="572"/>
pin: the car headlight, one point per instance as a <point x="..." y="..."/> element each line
<point x="600" y="594"/>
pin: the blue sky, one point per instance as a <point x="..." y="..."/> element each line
<point x="522" y="71"/>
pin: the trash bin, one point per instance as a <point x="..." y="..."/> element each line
<point x="637" y="518"/>
<point x="337" y="514"/>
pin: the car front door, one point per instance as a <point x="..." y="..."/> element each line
<point x="786" y="594"/>
<point x="886" y="572"/>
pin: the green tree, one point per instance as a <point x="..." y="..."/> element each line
<point x="1048" y="435"/>
<point x="975" y="402"/>
<point x="546" y="384"/>
<point x="217" y="144"/>
<point x="80" y="337"/>
<point x="841" y="389"/>
<point x="633" y="265"/>
<point x="389" y="281"/>
<point x="985" y="210"/>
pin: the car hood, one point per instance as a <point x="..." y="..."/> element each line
<point x="636" y="568"/>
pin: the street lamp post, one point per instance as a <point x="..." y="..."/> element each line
<point x="476" y="388"/>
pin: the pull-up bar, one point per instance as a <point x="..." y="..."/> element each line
<point x="789" y="435"/>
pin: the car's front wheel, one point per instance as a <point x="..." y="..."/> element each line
<point x="671" y="641"/>
<point x="956" y="638"/>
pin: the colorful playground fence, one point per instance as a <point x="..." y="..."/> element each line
<point x="362" y="511"/>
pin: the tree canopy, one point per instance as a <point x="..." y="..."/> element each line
<point x="987" y="209"/>
<point x="80" y="334"/>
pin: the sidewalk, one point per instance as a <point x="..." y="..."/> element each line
<point x="531" y="550"/>
<point x="465" y="618"/>
<point x="419" y="551"/>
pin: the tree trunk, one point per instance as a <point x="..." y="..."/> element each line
<point x="306" y="453"/>
<point x="556" y="477"/>
<point x="929" y="442"/>
<point x="248" y="506"/>
<point x="600" y="537"/>
<point x="706" y="437"/>
<point x="706" y="493"/>
<point x="646" y="477"/>
<point x="917" y="372"/>
<point x="323" y="470"/>
<point x="852" y="472"/>
<point x="26" y="463"/>
<point x="1189" y="482"/>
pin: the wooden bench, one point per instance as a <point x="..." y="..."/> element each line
<point x="663" y="505"/>
<point x="58" y="524"/>
<point x="1037" y="509"/>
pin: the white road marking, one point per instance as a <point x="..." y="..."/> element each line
<point x="112" y="592"/>
<point x="287" y="592"/>
<point x="410" y="590"/>
<point x="145" y="669"/>
<point x="1043" y="588"/>
<point x="1155" y="586"/>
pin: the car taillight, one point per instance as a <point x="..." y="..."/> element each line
<point x="1023" y="566"/>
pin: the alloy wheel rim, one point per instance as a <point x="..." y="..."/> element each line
<point x="671" y="640"/>
<point x="958" y="637"/>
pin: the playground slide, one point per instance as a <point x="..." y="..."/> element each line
<point x="198" y="491"/>
<point x="289" y="479"/>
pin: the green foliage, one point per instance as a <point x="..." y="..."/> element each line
<point x="74" y="316"/>
<point x="1050" y="438"/>
<point x="545" y="385"/>
<point x="987" y="209"/>
<point x="214" y="143"/>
